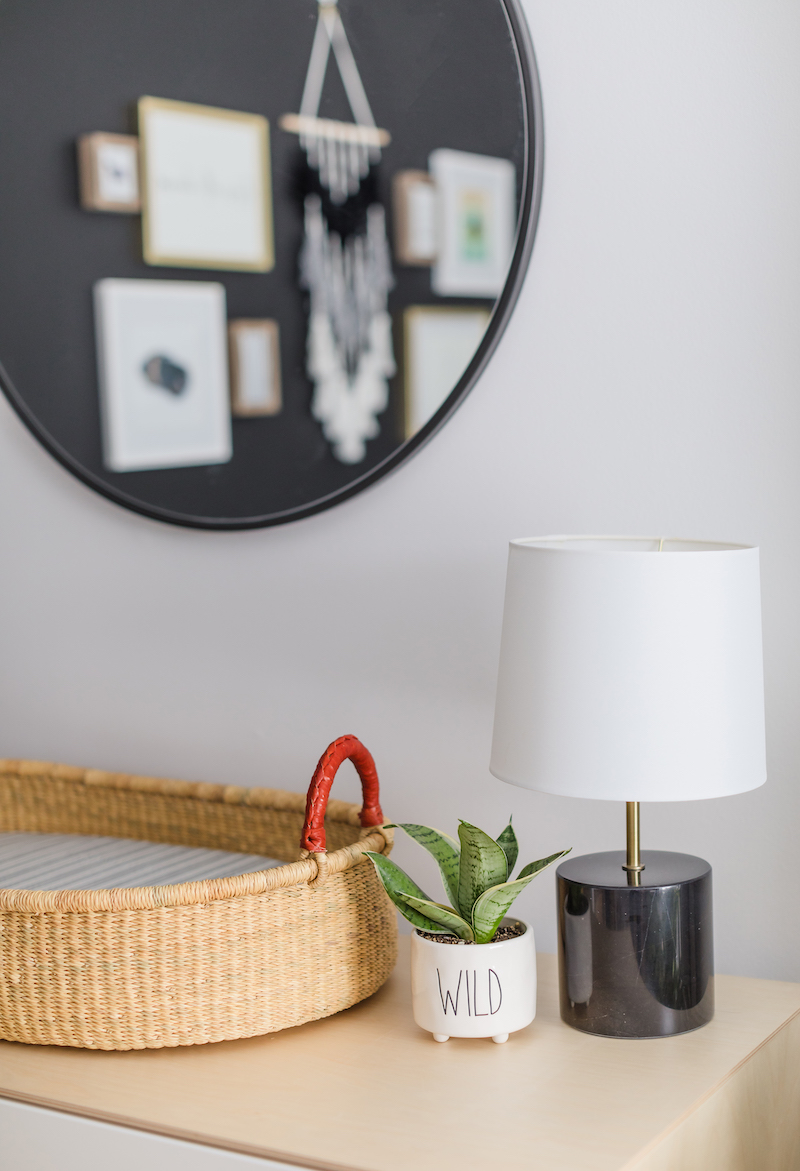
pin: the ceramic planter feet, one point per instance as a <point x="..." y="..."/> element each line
<point x="498" y="1039"/>
<point x="477" y="990"/>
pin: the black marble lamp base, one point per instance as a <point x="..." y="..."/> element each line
<point x="635" y="961"/>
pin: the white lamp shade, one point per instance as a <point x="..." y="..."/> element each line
<point x="631" y="669"/>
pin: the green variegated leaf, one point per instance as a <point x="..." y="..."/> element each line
<point x="444" y="916"/>
<point x="535" y="867"/>
<point x="396" y="883"/>
<point x="493" y="905"/>
<point x="443" y="848"/>
<point x="508" y="842"/>
<point x="483" y="865"/>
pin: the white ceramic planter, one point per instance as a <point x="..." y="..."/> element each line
<point x="480" y="990"/>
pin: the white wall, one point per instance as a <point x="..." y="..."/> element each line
<point x="647" y="384"/>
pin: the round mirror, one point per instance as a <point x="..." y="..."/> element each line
<point x="254" y="253"/>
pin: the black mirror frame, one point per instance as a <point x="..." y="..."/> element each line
<point x="526" y="230"/>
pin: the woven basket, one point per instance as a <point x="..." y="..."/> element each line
<point x="148" y="967"/>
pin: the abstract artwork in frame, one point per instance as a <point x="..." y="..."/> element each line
<point x="206" y="187"/>
<point x="163" y="374"/>
<point x="476" y="201"/>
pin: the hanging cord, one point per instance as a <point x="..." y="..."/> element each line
<point x="351" y="79"/>
<point x="341" y="165"/>
<point x="317" y="67"/>
<point x="329" y="34"/>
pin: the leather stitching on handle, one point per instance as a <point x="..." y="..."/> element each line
<point x="345" y="748"/>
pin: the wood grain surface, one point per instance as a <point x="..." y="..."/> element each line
<point x="368" y="1090"/>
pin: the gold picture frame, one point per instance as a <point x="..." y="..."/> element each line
<point x="439" y="342"/>
<point x="206" y="187"/>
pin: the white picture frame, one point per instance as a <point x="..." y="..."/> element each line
<point x="206" y="187"/>
<point x="163" y="374"/>
<point x="476" y="203"/>
<point x="439" y="342"/>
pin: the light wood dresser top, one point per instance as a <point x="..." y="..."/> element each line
<point x="368" y="1090"/>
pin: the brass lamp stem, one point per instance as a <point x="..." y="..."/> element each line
<point x="633" y="862"/>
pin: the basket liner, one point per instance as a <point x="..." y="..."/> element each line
<point x="37" y="861"/>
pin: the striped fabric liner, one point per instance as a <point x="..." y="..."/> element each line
<point x="30" y="861"/>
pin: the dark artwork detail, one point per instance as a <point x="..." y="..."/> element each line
<point x="635" y="961"/>
<point x="166" y="374"/>
<point x="455" y="74"/>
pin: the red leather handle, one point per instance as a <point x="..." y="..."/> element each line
<point x="345" y="748"/>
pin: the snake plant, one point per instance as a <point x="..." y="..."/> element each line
<point x="476" y="872"/>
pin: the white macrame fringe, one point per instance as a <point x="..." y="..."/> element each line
<point x="350" y="355"/>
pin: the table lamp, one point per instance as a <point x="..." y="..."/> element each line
<point x="631" y="670"/>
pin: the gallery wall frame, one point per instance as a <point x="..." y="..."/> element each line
<point x="183" y="148"/>
<point x="530" y="166"/>
<point x="475" y="198"/>
<point x="255" y="367"/>
<point x="438" y="342"/>
<point x="414" y="206"/>
<point x="163" y="373"/>
<point x="108" y="172"/>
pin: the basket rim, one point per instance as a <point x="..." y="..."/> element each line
<point x="307" y="870"/>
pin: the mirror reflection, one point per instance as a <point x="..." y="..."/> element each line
<point x="252" y="249"/>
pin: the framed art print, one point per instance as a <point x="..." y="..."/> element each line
<point x="439" y="344"/>
<point x="163" y="374"/>
<point x="476" y="204"/>
<point x="108" y="167"/>
<point x="255" y="367"/>
<point x="206" y="187"/>
<point x="414" y="207"/>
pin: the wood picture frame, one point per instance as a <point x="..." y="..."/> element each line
<point x="206" y="187"/>
<point x="255" y="367"/>
<point x="108" y="172"/>
<point x="415" y="218"/>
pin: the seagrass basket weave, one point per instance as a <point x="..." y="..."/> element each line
<point x="152" y="966"/>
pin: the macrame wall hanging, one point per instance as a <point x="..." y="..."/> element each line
<point x="345" y="262"/>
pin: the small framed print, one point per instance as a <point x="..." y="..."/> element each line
<point x="476" y="200"/>
<point x="108" y="169"/>
<point x="163" y="374"/>
<point x="414" y="207"/>
<point x="255" y="367"/>
<point x="439" y="342"/>
<point x="206" y="187"/>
